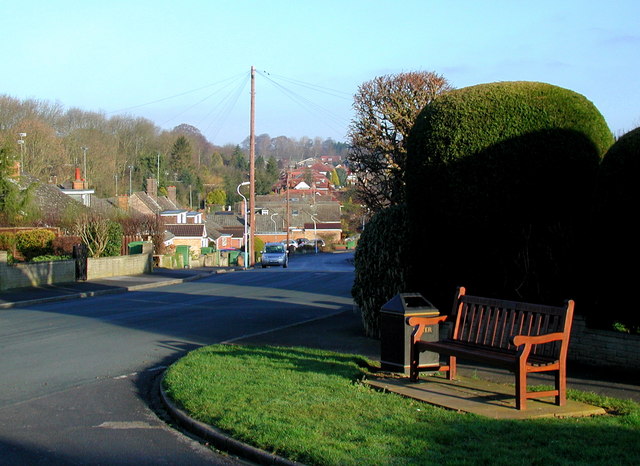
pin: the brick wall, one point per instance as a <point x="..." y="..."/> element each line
<point x="35" y="274"/>
<point x="603" y="347"/>
<point x="102" y="267"/>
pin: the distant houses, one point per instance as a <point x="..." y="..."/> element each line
<point x="303" y="205"/>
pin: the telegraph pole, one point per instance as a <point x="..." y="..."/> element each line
<point x="288" y="211"/>
<point x="252" y="166"/>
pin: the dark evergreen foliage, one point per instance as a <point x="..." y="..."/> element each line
<point x="381" y="264"/>
<point x="615" y="233"/>
<point x="499" y="183"/>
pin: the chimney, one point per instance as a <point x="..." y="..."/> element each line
<point x="152" y="187"/>
<point x="123" y="202"/>
<point x="77" y="183"/>
<point x="171" y="193"/>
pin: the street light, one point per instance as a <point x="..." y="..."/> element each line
<point x="244" y="183"/>
<point x="21" y="143"/>
<point x="84" y="150"/>
<point x="315" y="232"/>
<point x="275" y="228"/>
<point x="130" y="188"/>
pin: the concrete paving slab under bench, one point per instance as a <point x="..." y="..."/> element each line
<point x="480" y="397"/>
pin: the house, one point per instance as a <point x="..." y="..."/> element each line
<point x="299" y="180"/>
<point x="176" y="216"/>
<point x="184" y="234"/>
<point x="225" y="229"/>
<point x="149" y="203"/>
<point x="330" y="159"/>
<point x="79" y="190"/>
<point x="308" y="216"/>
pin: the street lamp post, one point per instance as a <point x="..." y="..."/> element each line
<point x="21" y="143"/>
<point x="84" y="164"/>
<point x="244" y="199"/>
<point x="275" y="228"/>
<point x="130" y="185"/>
<point x="315" y="232"/>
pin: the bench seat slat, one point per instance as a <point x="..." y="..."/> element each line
<point x="478" y="353"/>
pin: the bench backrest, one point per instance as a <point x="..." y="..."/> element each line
<point x="493" y="322"/>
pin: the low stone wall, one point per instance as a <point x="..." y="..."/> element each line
<point x="604" y="348"/>
<point x="48" y="273"/>
<point x="103" y="267"/>
<point x="35" y="274"/>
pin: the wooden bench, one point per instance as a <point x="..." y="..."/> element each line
<point x="521" y="337"/>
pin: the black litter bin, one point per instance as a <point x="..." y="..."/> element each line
<point x="395" y="334"/>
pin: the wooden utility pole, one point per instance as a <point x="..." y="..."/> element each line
<point x="288" y="211"/>
<point x="252" y="166"/>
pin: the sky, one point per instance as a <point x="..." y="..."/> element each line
<point x="189" y="61"/>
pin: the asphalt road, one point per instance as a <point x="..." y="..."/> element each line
<point x="77" y="377"/>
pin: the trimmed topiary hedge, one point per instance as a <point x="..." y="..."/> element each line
<point x="500" y="178"/>
<point x="381" y="264"/>
<point x="615" y="234"/>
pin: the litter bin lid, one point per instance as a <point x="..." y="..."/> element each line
<point x="408" y="304"/>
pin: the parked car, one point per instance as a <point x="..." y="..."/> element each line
<point x="292" y="243"/>
<point x="319" y="241"/>
<point x="274" y="254"/>
<point x="302" y="241"/>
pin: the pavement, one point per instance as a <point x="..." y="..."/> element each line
<point x="28" y="296"/>
<point x="341" y="332"/>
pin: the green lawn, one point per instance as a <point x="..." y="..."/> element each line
<point x="310" y="406"/>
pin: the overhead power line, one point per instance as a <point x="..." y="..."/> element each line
<point x="325" y="115"/>
<point x="232" y="78"/>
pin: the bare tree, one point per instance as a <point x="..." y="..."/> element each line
<point x="93" y="229"/>
<point x="386" y="109"/>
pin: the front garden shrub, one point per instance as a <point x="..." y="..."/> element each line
<point x="381" y="264"/>
<point x="8" y="242"/>
<point x="500" y="179"/>
<point x="50" y="258"/>
<point x="32" y="243"/>
<point x="615" y="236"/>
<point x="258" y="246"/>
<point x="63" y="245"/>
<point x="114" y="243"/>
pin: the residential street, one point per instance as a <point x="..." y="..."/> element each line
<point x="77" y="377"/>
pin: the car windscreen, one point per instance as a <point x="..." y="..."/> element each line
<point x="274" y="249"/>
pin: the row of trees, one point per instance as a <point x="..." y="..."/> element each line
<point x="120" y="152"/>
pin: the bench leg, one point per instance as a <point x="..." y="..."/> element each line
<point x="413" y="364"/>
<point x="561" y="386"/>
<point x="521" y="390"/>
<point x="452" y="368"/>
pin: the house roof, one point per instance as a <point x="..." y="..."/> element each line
<point x="155" y="203"/>
<point x="173" y="212"/>
<point x="224" y="219"/>
<point x="190" y="230"/>
<point x="323" y="226"/>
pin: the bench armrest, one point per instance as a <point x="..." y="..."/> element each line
<point x="536" y="339"/>
<point x="525" y="343"/>
<point x="420" y="323"/>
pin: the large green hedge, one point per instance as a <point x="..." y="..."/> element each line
<point x="616" y="236"/>
<point x="381" y="265"/>
<point x="500" y="179"/>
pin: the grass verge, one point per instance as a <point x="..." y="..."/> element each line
<point x="310" y="406"/>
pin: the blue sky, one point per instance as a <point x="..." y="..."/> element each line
<point x="186" y="61"/>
